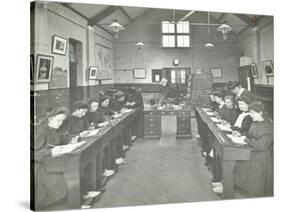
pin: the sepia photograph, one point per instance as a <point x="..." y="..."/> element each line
<point x="149" y="106"/>
<point x="44" y="66"/>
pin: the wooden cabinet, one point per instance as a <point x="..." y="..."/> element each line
<point x="152" y="122"/>
<point x="183" y="126"/>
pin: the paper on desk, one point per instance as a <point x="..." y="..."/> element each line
<point x="92" y="133"/>
<point x="206" y="109"/>
<point x="211" y="113"/>
<point x="214" y="119"/>
<point x="224" y="127"/>
<point x="237" y="140"/>
<point x="63" y="149"/>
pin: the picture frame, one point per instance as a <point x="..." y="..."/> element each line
<point x="92" y="72"/>
<point x="254" y="70"/>
<point x="216" y="72"/>
<point x="198" y="70"/>
<point x="32" y="68"/>
<point x="44" y="68"/>
<point x="59" y="45"/>
<point x="268" y="68"/>
<point x="139" y="73"/>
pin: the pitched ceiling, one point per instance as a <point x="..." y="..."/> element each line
<point x="103" y="15"/>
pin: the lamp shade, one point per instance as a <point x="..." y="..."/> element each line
<point x="224" y="29"/>
<point x="209" y="45"/>
<point x="140" y="44"/>
<point x="115" y="26"/>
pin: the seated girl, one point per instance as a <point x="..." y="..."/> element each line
<point x="93" y="117"/>
<point x="244" y="120"/>
<point x="218" y="98"/>
<point x="118" y="103"/>
<point x="230" y="114"/>
<point x="213" y="103"/>
<point x="255" y="176"/>
<point x="104" y="109"/>
<point x="76" y="125"/>
<point x="48" y="187"/>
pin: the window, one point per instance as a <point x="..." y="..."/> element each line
<point x="175" y="35"/>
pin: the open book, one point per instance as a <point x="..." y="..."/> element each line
<point x="211" y="113"/>
<point x="237" y="140"/>
<point x="214" y="119"/>
<point x="224" y="128"/>
<point x="63" y="149"/>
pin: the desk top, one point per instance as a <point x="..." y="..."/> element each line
<point x="221" y="136"/>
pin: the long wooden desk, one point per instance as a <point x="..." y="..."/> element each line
<point x="152" y="122"/>
<point x="226" y="152"/>
<point x="98" y="153"/>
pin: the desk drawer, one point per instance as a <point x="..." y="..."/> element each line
<point x="152" y="125"/>
<point x="151" y="112"/>
<point x="152" y="119"/>
<point x="152" y="131"/>
<point x="168" y="113"/>
<point x="184" y="112"/>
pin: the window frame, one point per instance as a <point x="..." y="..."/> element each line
<point x="175" y="34"/>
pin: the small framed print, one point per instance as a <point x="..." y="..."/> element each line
<point x="139" y="73"/>
<point x="254" y="70"/>
<point x="268" y="68"/>
<point x="92" y="74"/>
<point x="44" y="67"/>
<point x="59" y="45"/>
<point x="216" y="72"/>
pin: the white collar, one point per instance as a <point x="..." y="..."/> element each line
<point x="221" y="105"/>
<point x="240" y="91"/>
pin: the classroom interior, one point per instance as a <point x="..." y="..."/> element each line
<point x="179" y="65"/>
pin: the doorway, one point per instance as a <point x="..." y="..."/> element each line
<point x="75" y="71"/>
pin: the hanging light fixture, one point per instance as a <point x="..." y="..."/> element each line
<point x="139" y="44"/>
<point x="224" y="29"/>
<point x="209" y="45"/>
<point x="115" y="26"/>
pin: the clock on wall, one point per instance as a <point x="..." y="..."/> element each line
<point x="176" y="62"/>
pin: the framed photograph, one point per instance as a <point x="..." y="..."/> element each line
<point x="59" y="45"/>
<point x="198" y="70"/>
<point x="216" y="72"/>
<point x="268" y="68"/>
<point x="32" y="68"/>
<point x="139" y="73"/>
<point x="44" y="67"/>
<point x="92" y="75"/>
<point x="254" y="70"/>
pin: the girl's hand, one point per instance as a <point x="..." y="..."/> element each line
<point x="237" y="134"/>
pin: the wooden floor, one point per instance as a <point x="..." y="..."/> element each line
<point x="160" y="171"/>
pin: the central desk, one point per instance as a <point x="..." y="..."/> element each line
<point x="226" y="152"/>
<point x="152" y="122"/>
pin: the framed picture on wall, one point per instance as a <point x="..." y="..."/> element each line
<point x="92" y="73"/>
<point x="59" y="45"/>
<point x="139" y="73"/>
<point x="268" y="68"/>
<point x="156" y="75"/>
<point x="216" y="72"/>
<point x="254" y="70"/>
<point x="44" y="68"/>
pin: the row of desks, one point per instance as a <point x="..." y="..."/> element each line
<point x="225" y="151"/>
<point x="96" y="154"/>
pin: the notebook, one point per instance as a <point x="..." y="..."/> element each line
<point x="214" y="119"/>
<point x="237" y="140"/>
<point x="63" y="149"/>
<point x="224" y="128"/>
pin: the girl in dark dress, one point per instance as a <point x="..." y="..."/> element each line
<point x="76" y="125"/>
<point x="104" y="109"/>
<point x="255" y="176"/>
<point x="244" y="120"/>
<point x="47" y="188"/>
<point x="230" y="114"/>
<point x="93" y="117"/>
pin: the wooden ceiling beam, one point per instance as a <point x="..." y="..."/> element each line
<point x="244" y="18"/>
<point x="102" y="15"/>
<point x="126" y="14"/>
